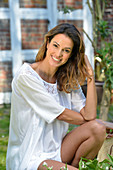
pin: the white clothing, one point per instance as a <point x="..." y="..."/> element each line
<point x="35" y="134"/>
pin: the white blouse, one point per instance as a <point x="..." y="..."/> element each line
<point x="35" y="134"/>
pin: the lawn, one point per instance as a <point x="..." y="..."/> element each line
<point x="4" y="130"/>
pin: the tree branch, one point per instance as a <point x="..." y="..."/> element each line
<point x="93" y="45"/>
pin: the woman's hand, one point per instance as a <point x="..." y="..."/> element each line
<point x="90" y="69"/>
<point x="89" y="111"/>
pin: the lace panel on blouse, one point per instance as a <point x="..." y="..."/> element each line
<point x="51" y="88"/>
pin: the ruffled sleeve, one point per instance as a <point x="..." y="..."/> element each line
<point x="35" y="94"/>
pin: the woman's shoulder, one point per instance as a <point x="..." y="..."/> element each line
<point x="34" y="65"/>
<point x="25" y="70"/>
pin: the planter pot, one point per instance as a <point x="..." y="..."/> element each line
<point x="99" y="89"/>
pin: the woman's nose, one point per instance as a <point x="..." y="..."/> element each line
<point x="59" y="53"/>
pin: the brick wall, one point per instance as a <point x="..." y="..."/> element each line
<point x="76" y="4"/>
<point x="109" y="17"/>
<point x="33" y="33"/>
<point x="5" y="43"/>
<point x="33" y="4"/>
<point x="78" y="23"/>
<point x="5" y="76"/>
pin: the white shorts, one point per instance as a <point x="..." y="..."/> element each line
<point x="36" y="160"/>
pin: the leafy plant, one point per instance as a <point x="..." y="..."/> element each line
<point x="106" y="61"/>
<point x="67" y="9"/>
<point x="100" y="26"/>
<point x="87" y="164"/>
<point x="102" y="29"/>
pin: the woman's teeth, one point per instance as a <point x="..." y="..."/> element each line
<point x="56" y="59"/>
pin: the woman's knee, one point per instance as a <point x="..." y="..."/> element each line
<point x="98" y="129"/>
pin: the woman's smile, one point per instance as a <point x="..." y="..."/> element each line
<point x="56" y="59"/>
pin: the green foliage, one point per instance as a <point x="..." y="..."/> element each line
<point x="102" y="29"/>
<point x="87" y="164"/>
<point x="100" y="26"/>
<point x="67" y="9"/>
<point x="4" y="130"/>
<point x="106" y="56"/>
<point x="46" y="166"/>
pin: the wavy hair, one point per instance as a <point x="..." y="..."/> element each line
<point x="74" y="72"/>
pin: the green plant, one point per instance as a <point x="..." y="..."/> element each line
<point x="67" y="9"/>
<point x="4" y="131"/>
<point x="46" y="166"/>
<point x="105" y="55"/>
<point x="87" y="164"/>
<point x="101" y="28"/>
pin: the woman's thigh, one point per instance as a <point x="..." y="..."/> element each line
<point x="76" y="137"/>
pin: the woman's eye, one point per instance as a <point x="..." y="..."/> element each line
<point x="67" y="51"/>
<point x="55" y="45"/>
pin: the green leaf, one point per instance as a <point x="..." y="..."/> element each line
<point x="111" y="159"/>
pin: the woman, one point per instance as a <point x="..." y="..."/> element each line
<point x="46" y="97"/>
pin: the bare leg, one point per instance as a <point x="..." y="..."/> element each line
<point x="56" y="165"/>
<point x="84" y="141"/>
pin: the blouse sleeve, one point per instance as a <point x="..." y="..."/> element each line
<point x="34" y="93"/>
<point x="78" y="100"/>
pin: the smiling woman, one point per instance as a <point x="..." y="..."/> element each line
<point x="74" y="51"/>
<point x="46" y="98"/>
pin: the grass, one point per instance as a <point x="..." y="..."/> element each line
<point x="4" y="130"/>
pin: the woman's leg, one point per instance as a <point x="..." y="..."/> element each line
<point x="56" y="165"/>
<point x="84" y="141"/>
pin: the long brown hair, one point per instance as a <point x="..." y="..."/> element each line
<point x="74" y="71"/>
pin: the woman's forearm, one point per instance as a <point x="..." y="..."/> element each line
<point x="90" y="109"/>
<point x="71" y="117"/>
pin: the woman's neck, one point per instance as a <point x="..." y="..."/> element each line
<point x="45" y="72"/>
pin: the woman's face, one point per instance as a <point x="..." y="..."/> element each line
<point x="59" y="50"/>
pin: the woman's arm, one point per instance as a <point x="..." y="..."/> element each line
<point x="71" y="117"/>
<point x="89" y="111"/>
